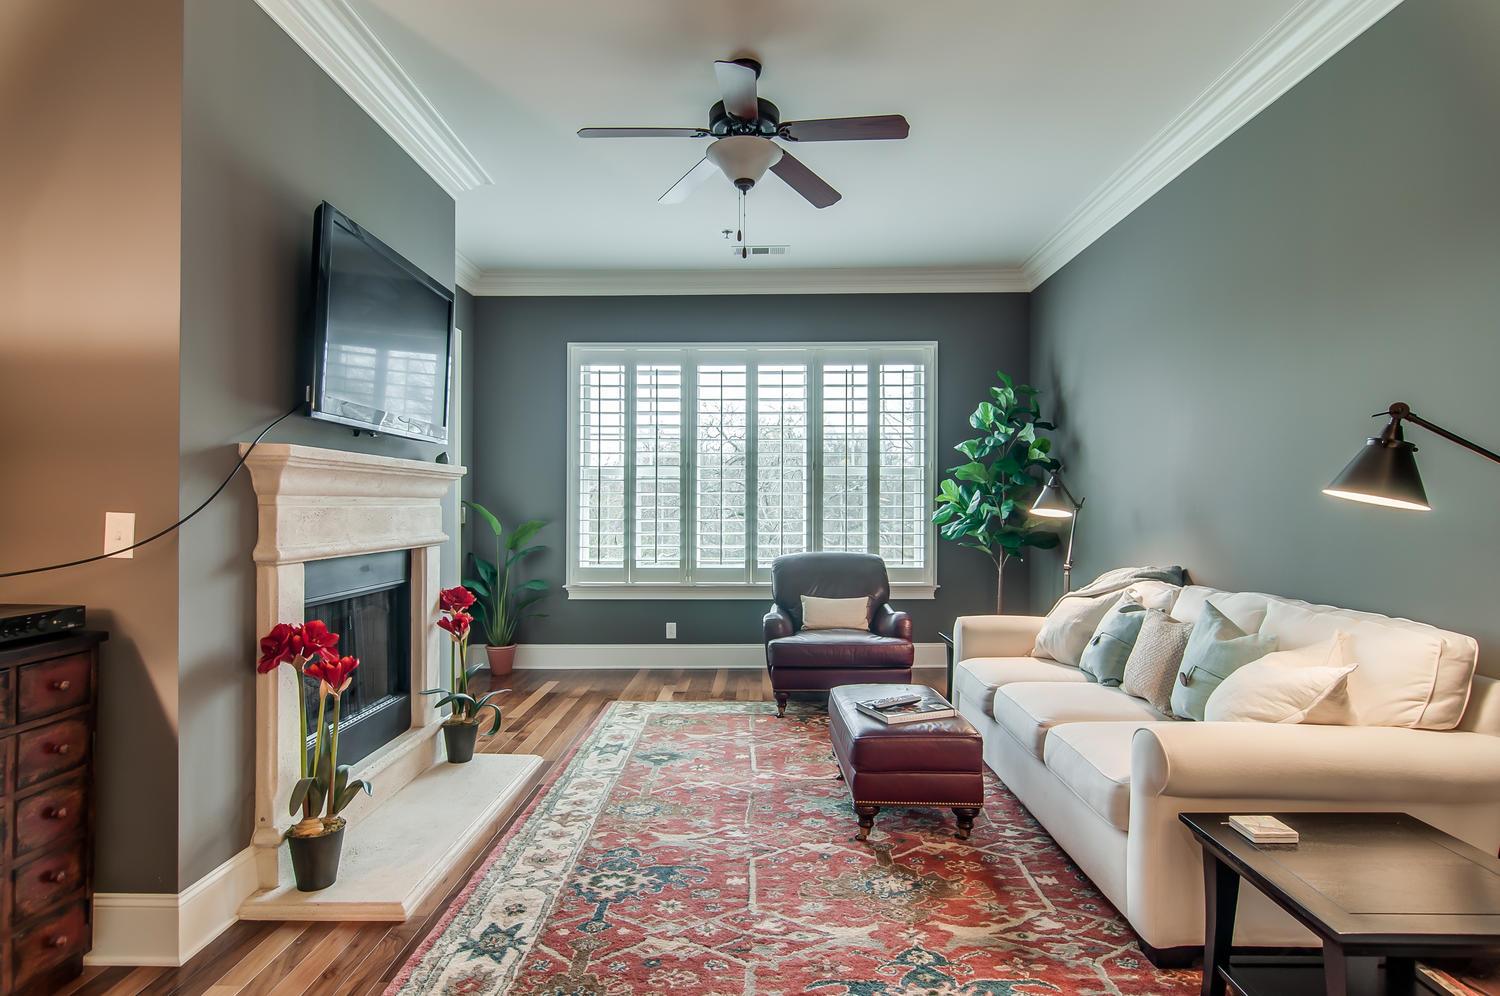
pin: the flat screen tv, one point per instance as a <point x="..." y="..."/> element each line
<point x="380" y="338"/>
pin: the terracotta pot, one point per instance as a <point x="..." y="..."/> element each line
<point x="315" y="860"/>
<point x="502" y="659"/>
<point x="459" y="738"/>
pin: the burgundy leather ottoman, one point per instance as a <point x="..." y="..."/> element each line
<point x="930" y="763"/>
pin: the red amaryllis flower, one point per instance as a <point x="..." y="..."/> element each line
<point x="279" y="646"/>
<point x="456" y="624"/>
<point x="456" y="599"/>
<point x="317" y="641"/>
<point x="335" y="671"/>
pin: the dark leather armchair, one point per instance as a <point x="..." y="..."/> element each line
<point x="816" y="660"/>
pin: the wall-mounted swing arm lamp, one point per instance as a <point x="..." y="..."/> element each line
<point x="1384" y="472"/>
<point x="1057" y="502"/>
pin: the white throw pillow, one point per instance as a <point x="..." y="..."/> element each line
<point x="1070" y="625"/>
<point x="1306" y="685"/>
<point x="835" y="613"/>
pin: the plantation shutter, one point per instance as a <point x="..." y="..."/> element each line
<point x="601" y="466"/>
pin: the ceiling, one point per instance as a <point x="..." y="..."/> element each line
<point x="1021" y="112"/>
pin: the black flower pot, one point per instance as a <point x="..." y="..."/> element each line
<point x="460" y="739"/>
<point x="315" y="860"/>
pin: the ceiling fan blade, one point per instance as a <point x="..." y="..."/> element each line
<point x="642" y="133"/>
<point x="737" y="83"/>
<point x="690" y="181"/>
<point x="805" y="182"/>
<point x="876" y="126"/>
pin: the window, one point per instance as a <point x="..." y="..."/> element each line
<point x="692" y="468"/>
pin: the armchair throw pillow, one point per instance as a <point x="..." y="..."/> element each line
<point x="835" y="613"/>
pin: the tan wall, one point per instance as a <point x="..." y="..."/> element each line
<point x="90" y="222"/>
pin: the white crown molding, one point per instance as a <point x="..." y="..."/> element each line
<point x="465" y="273"/>
<point x="677" y="656"/>
<point x="626" y="283"/>
<point x="1309" y="35"/>
<point x="167" y="929"/>
<point x="348" y="51"/>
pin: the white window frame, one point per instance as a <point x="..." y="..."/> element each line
<point x="688" y="582"/>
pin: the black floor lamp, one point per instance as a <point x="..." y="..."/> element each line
<point x="1057" y="502"/>
<point x="1385" y="472"/>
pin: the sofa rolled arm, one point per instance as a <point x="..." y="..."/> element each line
<point x="1368" y="764"/>
<point x="891" y="622"/>
<point x="776" y="624"/>
<point x="994" y="636"/>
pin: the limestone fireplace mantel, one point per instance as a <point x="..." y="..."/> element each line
<point x="316" y="504"/>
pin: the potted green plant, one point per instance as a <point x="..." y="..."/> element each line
<point x="986" y="504"/>
<point x="461" y="728"/>
<point x="324" y="787"/>
<point x="502" y="602"/>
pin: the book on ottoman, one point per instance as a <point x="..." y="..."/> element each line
<point x="897" y="709"/>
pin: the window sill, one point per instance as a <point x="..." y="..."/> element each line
<point x="616" y="591"/>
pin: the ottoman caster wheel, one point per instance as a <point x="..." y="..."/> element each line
<point x="781" y="700"/>
<point x="965" y="822"/>
<point x="866" y="821"/>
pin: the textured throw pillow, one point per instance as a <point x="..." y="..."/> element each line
<point x="1216" y="648"/>
<point x="1070" y="624"/>
<point x="1104" y="658"/>
<point x="1331" y="709"/>
<point x="1152" y="666"/>
<point x="835" y="613"/>
<point x="1270" y="691"/>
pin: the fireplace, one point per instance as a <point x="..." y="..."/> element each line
<point x="367" y="601"/>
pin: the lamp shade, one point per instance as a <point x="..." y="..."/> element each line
<point x="744" y="159"/>
<point x="1053" y="502"/>
<point x="1383" y="473"/>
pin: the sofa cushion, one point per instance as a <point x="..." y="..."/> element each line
<point x="1151" y="668"/>
<point x="841" y="648"/>
<point x="1093" y="760"/>
<point x="1027" y="710"/>
<point x="975" y="680"/>
<point x="1411" y="674"/>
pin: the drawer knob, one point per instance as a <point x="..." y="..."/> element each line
<point x="56" y="877"/>
<point x="61" y="685"/>
<point x="59" y="748"/>
<point x="58" y="941"/>
<point x="55" y="812"/>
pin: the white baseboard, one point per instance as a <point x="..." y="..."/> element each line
<point x="679" y="656"/>
<point x="166" y="929"/>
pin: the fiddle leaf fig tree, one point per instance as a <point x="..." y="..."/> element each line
<point x="985" y="504"/>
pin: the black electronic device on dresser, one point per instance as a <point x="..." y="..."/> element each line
<point x="26" y="622"/>
<point x="48" y="708"/>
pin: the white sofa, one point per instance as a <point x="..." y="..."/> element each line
<point x="1106" y="774"/>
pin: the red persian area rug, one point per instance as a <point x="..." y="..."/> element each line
<point x="708" y="848"/>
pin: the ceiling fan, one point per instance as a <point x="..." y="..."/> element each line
<point x="743" y="125"/>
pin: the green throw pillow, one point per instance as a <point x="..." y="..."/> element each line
<point x="1105" y="656"/>
<point x="1216" y="650"/>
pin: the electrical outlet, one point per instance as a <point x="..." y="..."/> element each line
<point x="119" y="532"/>
<point x="671" y="631"/>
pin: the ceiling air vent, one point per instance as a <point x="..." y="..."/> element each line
<point x="751" y="251"/>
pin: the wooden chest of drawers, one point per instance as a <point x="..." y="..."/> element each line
<point x="48" y="694"/>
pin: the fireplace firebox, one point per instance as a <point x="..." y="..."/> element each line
<point x="367" y="601"/>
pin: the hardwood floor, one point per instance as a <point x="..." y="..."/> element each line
<point x="546" y="713"/>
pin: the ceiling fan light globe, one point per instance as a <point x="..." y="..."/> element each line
<point x="744" y="157"/>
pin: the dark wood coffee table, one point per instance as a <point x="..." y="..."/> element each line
<point x="1372" y="886"/>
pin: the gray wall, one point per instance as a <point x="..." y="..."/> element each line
<point x="90" y="98"/>
<point x="266" y="137"/>
<point x="521" y="426"/>
<point x="1220" y="350"/>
